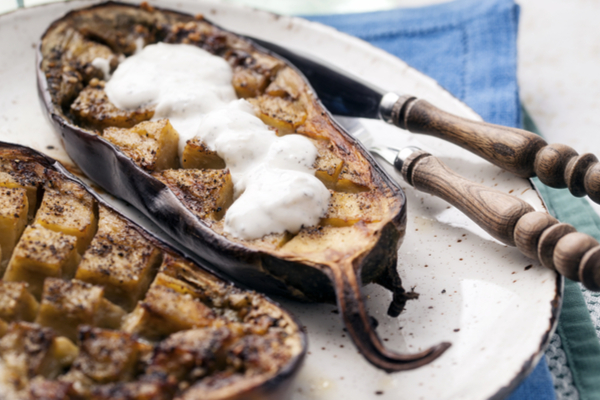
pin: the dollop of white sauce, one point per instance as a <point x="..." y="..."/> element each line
<point x="274" y="183"/>
<point x="103" y="64"/>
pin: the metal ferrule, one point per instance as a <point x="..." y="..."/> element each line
<point x="386" y="106"/>
<point x="403" y="156"/>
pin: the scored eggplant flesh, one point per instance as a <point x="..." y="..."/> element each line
<point x="124" y="315"/>
<point x="356" y="241"/>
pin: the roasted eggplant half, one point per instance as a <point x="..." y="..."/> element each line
<point x="132" y="154"/>
<point x="94" y="307"/>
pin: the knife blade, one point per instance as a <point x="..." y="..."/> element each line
<point x="523" y="153"/>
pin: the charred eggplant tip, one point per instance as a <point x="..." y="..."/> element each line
<point x="363" y="334"/>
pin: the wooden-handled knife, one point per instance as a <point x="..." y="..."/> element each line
<point x="520" y="152"/>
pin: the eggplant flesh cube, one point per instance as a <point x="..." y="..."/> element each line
<point x="27" y="350"/>
<point x="279" y="113"/>
<point x="346" y="209"/>
<point x="183" y="277"/>
<point x="327" y="165"/>
<point x="196" y="155"/>
<point x="16" y="302"/>
<point x="42" y="253"/>
<point x="153" y="145"/>
<point x="92" y="108"/>
<point x="248" y="83"/>
<point x="207" y="192"/>
<point x="61" y="212"/>
<point x="14" y="207"/>
<point x="66" y="305"/>
<point x="286" y="83"/>
<point x="165" y="311"/>
<point x="120" y="260"/>
<point x="106" y="355"/>
<point x="187" y="352"/>
<point x="7" y="181"/>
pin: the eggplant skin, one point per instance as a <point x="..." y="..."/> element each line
<point x="294" y="274"/>
<point x="191" y="334"/>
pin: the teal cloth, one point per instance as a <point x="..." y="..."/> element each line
<point x="469" y="47"/>
<point x="575" y="328"/>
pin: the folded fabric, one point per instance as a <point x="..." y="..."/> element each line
<point x="469" y="47"/>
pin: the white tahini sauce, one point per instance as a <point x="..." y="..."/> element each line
<point x="103" y="64"/>
<point x="275" y="186"/>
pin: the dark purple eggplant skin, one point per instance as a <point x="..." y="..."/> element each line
<point x="108" y="167"/>
<point x="275" y="388"/>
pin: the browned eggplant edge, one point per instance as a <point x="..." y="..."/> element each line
<point x="116" y="173"/>
<point x="272" y="388"/>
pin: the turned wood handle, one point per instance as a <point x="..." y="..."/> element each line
<point x="518" y="151"/>
<point x="509" y="219"/>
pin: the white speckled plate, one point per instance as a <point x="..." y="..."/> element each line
<point x="497" y="307"/>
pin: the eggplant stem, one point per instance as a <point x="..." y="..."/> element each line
<point x="358" y="324"/>
<point x="392" y="282"/>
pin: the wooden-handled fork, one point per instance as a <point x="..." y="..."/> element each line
<point x="512" y="221"/>
<point x="538" y="235"/>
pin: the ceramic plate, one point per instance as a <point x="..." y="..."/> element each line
<point x="497" y="307"/>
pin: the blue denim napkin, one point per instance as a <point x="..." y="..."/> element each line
<point x="469" y="47"/>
